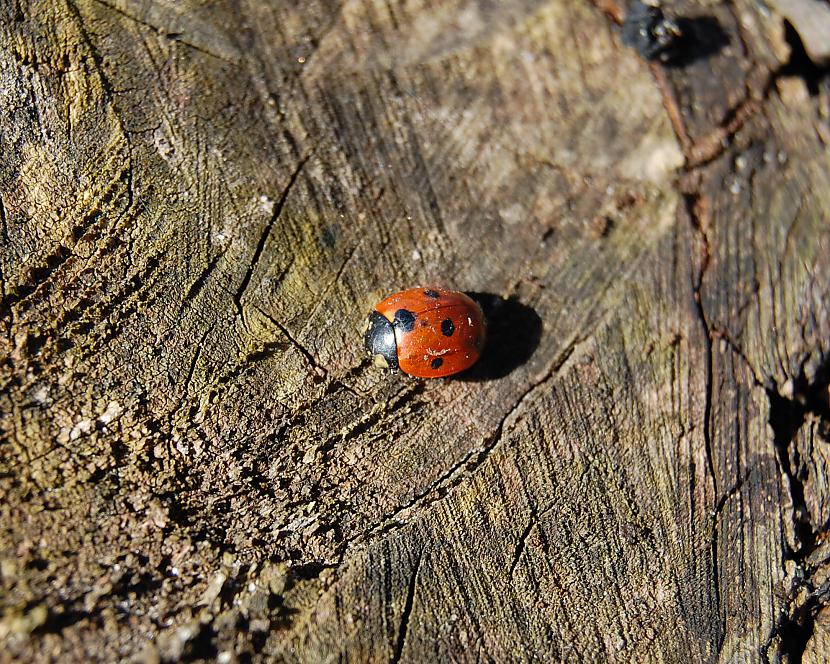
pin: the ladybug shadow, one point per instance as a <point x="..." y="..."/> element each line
<point x="513" y="334"/>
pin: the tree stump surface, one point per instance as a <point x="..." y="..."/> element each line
<point x="200" y="202"/>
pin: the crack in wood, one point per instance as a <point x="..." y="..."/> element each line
<point x="263" y="238"/>
<point x="321" y="298"/>
<point x="375" y="416"/>
<point x="698" y="217"/>
<point x="41" y="277"/>
<point x="787" y="416"/>
<point x="475" y="457"/>
<point x="106" y="85"/>
<point x="232" y="58"/>
<point x="520" y="546"/>
<point x="733" y="346"/>
<point x="196" y="355"/>
<point x="300" y="347"/>
<point x="199" y="283"/>
<point x="403" y="627"/>
<point x="699" y="225"/>
<point x="4" y="227"/>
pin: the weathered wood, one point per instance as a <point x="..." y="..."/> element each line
<point x="200" y="202"/>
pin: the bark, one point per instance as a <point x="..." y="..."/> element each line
<point x="200" y="202"/>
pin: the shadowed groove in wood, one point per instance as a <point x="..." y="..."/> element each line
<point x="400" y="640"/>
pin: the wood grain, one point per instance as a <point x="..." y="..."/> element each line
<point x="200" y="202"/>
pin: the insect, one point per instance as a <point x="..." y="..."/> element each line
<point x="427" y="332"/>
<point x="650" y="33"/>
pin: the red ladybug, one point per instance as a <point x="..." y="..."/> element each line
<point x="427" y="332"/>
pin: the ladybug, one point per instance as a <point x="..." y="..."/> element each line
<point x="427" y="332"/>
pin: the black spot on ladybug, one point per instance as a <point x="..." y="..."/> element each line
<point x="436" y="363"/>
<point x="447" y="327"/>
<point x="405" y="319"/>
<point x="431" y="293"/>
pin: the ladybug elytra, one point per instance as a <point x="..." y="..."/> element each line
<point x="428" y="332"/>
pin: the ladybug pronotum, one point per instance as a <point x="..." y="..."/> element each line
<point x="427" y="332"/>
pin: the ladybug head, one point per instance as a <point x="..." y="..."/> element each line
<point x="379" y="340"/>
